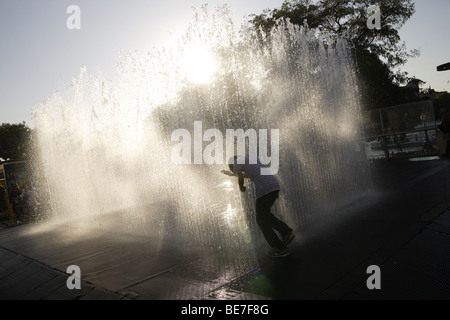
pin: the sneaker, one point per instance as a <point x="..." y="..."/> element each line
<point x="288" y="238"/>
<point x="278" y="253"/>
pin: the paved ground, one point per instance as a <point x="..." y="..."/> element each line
<point x="404" y="228"/>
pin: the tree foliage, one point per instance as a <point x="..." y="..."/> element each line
<point x="377" y="53"/>
<point x="14" y="141"/>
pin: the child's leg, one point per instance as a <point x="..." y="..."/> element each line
<point x="267" y="222"/>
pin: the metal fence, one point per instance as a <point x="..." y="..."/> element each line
<point x="408" y="130"/>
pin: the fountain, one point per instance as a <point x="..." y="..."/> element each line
<point x="105" y="147"/>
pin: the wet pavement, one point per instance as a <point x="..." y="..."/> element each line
<point x="403" y="228"/>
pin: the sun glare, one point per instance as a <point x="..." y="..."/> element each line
<point x="199" y="65"/>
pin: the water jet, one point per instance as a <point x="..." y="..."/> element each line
<point x="105" y="145"/>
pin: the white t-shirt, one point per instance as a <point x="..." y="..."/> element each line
<point x="264" y="184"/>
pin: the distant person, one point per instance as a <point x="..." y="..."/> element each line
<point x="444" y="127"/>
<point x="3" y="197"/>
<point x="28" y="197"/>
<point x="11" y="182"/>
<point x="16" y="202"/>
<point x="267" y="189"/>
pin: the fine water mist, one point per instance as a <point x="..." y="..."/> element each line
<point x="104" y="145"/>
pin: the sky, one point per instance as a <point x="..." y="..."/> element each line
<point x="39" y="54"/>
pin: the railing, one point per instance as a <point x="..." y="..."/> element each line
<point x="409" y="130"/>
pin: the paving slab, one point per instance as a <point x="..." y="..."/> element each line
<point x="402" y="228"/>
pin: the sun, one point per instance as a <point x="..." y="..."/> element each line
<point x="199" y="65"/>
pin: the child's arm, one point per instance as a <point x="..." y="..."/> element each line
<point x="241" y="181"/>
<point x="228" y="173"/>
<point x="241" y="175"/>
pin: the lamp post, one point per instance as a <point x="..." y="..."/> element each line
<point x="443" y="67"/>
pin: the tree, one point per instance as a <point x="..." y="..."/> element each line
<point x="377" y="53"/>
<point x="14" y="141"/>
